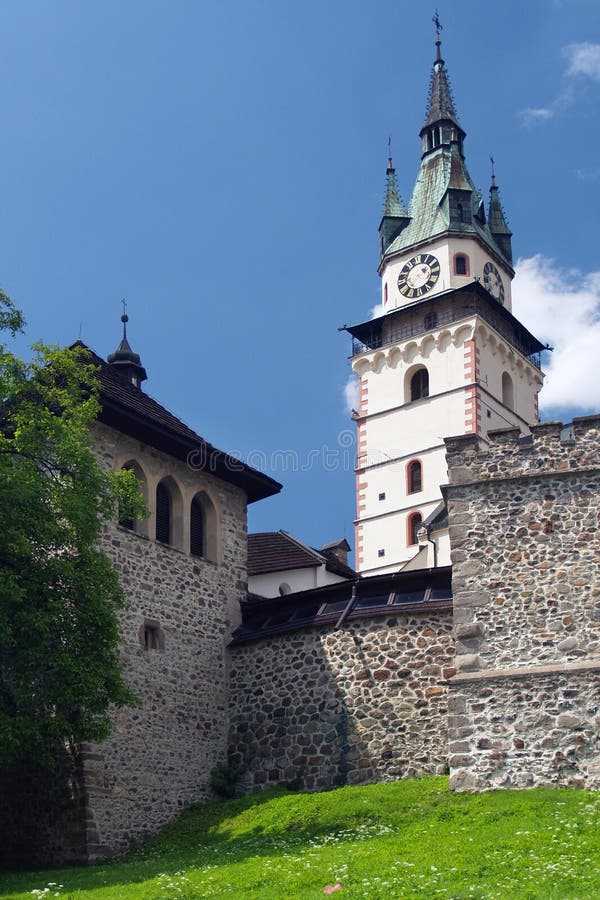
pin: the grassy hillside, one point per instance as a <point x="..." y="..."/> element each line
<point x="400" y="840"/>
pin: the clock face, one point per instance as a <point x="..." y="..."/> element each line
<point x="418" y="275"/>
<point x="493" y="282"/>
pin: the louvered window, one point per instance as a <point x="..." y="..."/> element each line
<point x="163" y="514"/>
<point x="197" y="528"/>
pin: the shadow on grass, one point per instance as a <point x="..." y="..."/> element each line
<point x="222" y="833"/>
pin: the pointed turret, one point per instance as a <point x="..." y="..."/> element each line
<point x="395" y="217"/>
<point x="497" y="220"/>
<point x="127" y="363"/>
<point x="441" y="126"/>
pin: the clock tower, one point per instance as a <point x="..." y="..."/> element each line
<point x="446" y="356"/>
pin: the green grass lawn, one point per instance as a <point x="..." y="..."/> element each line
<point x="402" y="839"/>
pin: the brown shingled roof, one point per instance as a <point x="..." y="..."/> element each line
<point x="130" y="410"/>
<point x="275" y="551"/>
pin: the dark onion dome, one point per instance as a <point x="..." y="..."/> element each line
<point x="128" y="363"/>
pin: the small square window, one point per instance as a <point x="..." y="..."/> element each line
<point x="151" y="640"/>
<point x="381" y="553"/>
<point x="382" y="496"/>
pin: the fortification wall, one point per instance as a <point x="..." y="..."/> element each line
<point x="159" y="755"/>
<point x="525" y="536"/>
<point x="362" y="703"/>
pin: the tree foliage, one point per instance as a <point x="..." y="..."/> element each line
<point x="59" y="595"/>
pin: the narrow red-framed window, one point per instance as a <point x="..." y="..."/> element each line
<point x="415" y="520"/>
<point x="414" y="476"/>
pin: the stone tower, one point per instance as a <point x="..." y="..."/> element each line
<point x="445" y="357"/>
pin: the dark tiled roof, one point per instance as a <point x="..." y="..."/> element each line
<point x="275" y="551"/>
<point x="392" y="594"/>
<point x="130" y="410"/>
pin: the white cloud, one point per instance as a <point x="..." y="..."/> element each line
<point x="377" y="311"/>
<point x="584" y="59"/>
<point x="587" y="174"/>
<point x="562" y="308"/>
<point x="351" y="394"/>
<point x="531" y="115"/>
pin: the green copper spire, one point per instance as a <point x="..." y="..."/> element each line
<point x="395" y="217"/>
<point x="497" y="220"/>
<point x="445" y="200"/>
<point x="393" y="205"/>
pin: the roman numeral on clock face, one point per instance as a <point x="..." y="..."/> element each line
<point x="418" y="275"/>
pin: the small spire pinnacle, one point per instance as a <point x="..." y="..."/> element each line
<point x="497" y="220"/>
<point x="440" y="106"/>
<point x="390" y="163"/>
<point x="438" y="39"/>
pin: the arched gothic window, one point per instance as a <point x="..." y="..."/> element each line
<point x="126" y="521"/>
<point x="163" y="513"/>
<point x="414" y="523"/>
<point x="415" y="477"/>
<point x="419" y="385"/>
<point x="197" y="528"/>
<point x="204" y="527"/>
<point x="508" y="391"/>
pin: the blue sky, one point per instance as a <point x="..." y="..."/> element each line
<point x="221" y="165"/>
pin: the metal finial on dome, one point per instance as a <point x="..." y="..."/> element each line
<point x="124" y="359"/>
<point x="124" y="318"/>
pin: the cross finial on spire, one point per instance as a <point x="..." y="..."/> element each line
<point x="438" y="39"/>
<point x="390" y="152"/>
<point x="493" y="162"/>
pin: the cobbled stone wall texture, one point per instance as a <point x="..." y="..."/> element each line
<point x="364" y="703"/>
<point x="159" y="756"/>
<point x="525" y="535"/>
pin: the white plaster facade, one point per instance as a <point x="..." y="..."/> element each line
<point x="478" y="381"/>
<point x="445" y="249"/>
<point x="290" y="581"/>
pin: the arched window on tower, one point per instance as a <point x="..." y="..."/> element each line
<point x="126" y="521"/>
<point x="197" y="528"/>
<point x="163" y="513"/>
<point x="508" y="391"/>
<point x="414" y="477"/>
<point x="414" y="523"/>
<point x="204" y="527"/>
<point x="419" y="385"/>
<point x="461" y="264"/>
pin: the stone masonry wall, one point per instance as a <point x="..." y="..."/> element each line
<point x="159" y="755"/>
<point x="525" y="535"/>
<point x="363" y="703"/>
